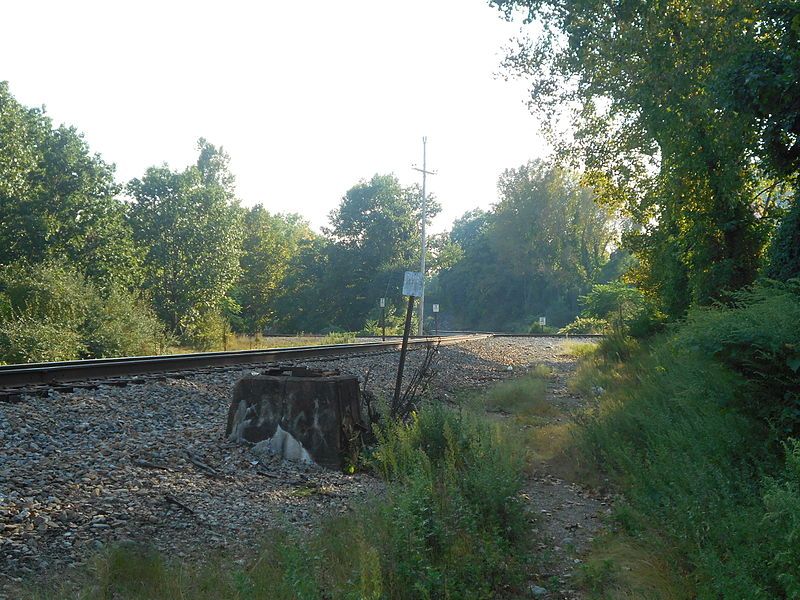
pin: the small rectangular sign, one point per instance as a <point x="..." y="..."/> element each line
<point x="542" y="321"/>
<point x="383" y="302"/>
<point x="435" y="308"/>
<point x="412" y="284"/>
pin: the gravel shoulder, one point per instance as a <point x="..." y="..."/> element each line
<point x="149" y="463"/>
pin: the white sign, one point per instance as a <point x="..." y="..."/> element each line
<point x="542" y="321"/>
<point x="435" y="308"/>
<point x="412" y="284"/>
<point x="383" y="302"/>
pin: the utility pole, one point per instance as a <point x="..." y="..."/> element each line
<point x="425" y="172"/>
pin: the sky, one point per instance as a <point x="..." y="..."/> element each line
<point x="308" y="98"/>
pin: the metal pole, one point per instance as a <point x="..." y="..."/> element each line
<point x="383" y="322"/>
<point x="425" y="173"/>
<point x="422" y="254"/>
<point x="403" y="349"/>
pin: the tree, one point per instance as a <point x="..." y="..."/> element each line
<point x="376" y="237"/>
<point x="542" y="246"/>
<point x="654" y="136"/>
<point x="58" y="201"/>
<point x="191" y="226"/>
<point x="270" y="244"/>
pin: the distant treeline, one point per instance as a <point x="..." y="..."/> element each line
<point x="92" y="267"/>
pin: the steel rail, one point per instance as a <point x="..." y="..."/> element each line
<point x="103" y="368"/>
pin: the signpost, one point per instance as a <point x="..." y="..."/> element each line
<point x="383" y="318"/>
<point x="412" y="287"/>
<point x="436" y="318"/>
<point x="542" y="322"/>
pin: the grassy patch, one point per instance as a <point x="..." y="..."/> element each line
<point x="688" y="431"/>
<point x="622" y="568"/>
<point x="523" y="397"/>
<point x="578" y="349"/>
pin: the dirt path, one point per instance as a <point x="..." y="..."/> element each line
<point x="569" y="515"/>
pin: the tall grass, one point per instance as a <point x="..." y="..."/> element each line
<point x="524" y="396"/>
<point x="687" y="431"/>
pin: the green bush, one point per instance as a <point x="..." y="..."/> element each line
<point x="204" y="330"/>
<point x="758" y="335"/>
<point x="783" y="256"/>
<point x="585" y="325"/>
<point x="25" y="339"/>
<point x="51" y="312"/>
<point x="120" y="324"/>
<point x="625" y="308"/>
<point x="671" y="432"/>
<point x="782" y="521"/>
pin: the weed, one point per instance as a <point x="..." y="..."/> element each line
<point x="686" y="429"/>
<point x="525" y="396"/>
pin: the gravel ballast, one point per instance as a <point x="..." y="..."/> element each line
<point x="149" y="462"/>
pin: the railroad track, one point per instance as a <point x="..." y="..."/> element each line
<point x="38" y="378"/>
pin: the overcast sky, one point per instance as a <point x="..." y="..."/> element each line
<point x="307" y="97"/>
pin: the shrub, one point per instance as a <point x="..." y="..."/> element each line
<point x="585" y="325"/>
<point x="25" y="338"/>
<point x="782" y="521"/>
<point x="51" y="312"/>
<point x="624" y="308"/>
<point x="783" y="257"/>
<point x="120" y="324"/>
<point x="756" y="335"/>
<point x="203" y="330"/>
<point x="676" y="430"/>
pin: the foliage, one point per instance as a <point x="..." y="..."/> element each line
<point x="270" y="243"/>
<point x="585" y="325"/>
<point x="676" y="430"/>
<point x="191" y="227"/>
<point x="343" y="337"/>
<point x="57" y="199"/>
<point x="55" y="313"/>
<point x="764" y="82"/>
<point x="782" y="520"/>
<point x="783" y="259"/>
<point x="624" y="307"/>
<point x="120" y="323"/>
<point x="335" y="281"/>
<point x="539" y="248"/>
<point x="26" y="338"/>
<point x="757" y="336"/>
<point x="658" y="141"/>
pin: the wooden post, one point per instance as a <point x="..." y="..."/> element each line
<point x="403" y="350"/>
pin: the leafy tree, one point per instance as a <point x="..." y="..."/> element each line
<point x="542" y="245"/>
<point x="656" y="139"/>
<point x="190" y="223"/>
<point x="306" y="302"/>
<point x="270" y="244"/>
<point x="57" y="200"/>
<point x="376" y="237"/>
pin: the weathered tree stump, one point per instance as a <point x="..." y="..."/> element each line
<point x="298" y="413"/>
